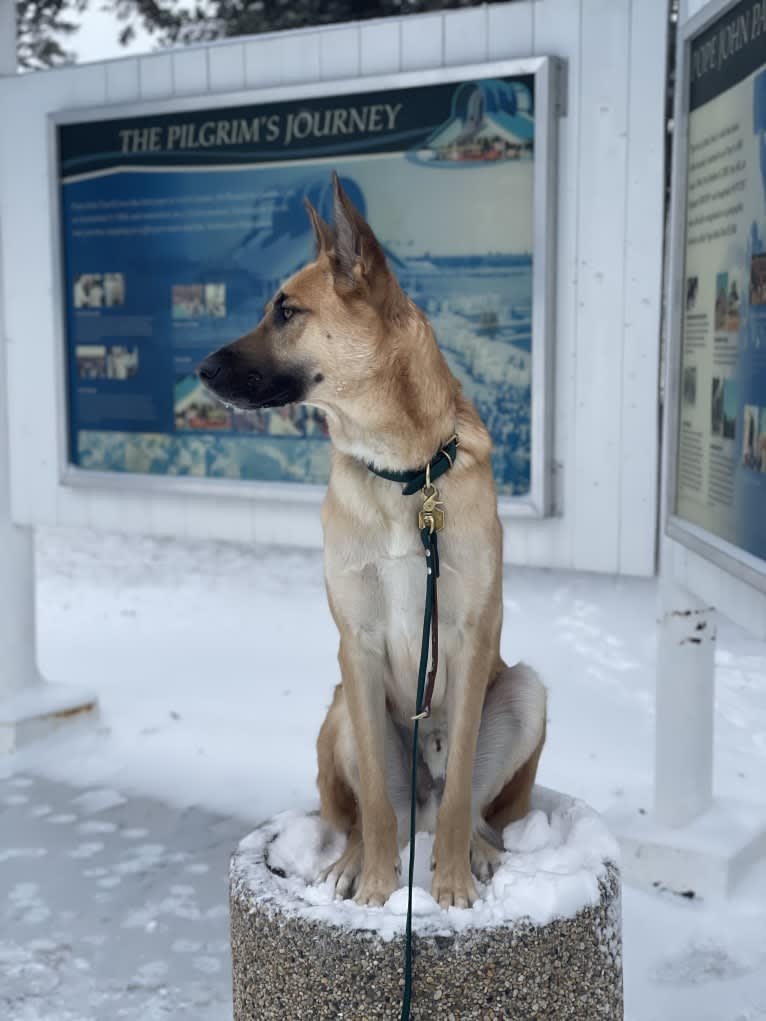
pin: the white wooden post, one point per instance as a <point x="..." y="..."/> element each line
<point x="685" y="696"/>
<point x="691" y="841"/>
<point x="17" y="587"/>
<point x="28" y="707"/>
<point x="18" y="669"/>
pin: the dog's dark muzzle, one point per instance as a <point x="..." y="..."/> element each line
<point x="233" y="378"/>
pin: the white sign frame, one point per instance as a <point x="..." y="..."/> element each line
<point x="549" y="79"/>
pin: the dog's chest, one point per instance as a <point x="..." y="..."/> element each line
<point x="402" y="580"/>
<point x="376" y="572"/>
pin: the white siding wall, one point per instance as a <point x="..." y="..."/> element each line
<point x="608" y="262"/>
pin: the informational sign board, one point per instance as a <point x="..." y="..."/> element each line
<point x="717" y="488"/>
<point x="178" y="224"/>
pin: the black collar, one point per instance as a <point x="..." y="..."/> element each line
<point x="415" y="479"/>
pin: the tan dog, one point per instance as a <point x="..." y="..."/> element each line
<point x="341" y="335"/>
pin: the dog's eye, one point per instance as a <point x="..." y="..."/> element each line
<point x="283" y="313"/>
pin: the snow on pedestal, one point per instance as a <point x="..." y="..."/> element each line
<point x="543" y="942"/>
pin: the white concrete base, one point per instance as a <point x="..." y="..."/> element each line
<point x="40" y="710"/>
<point x="707" y="857"/>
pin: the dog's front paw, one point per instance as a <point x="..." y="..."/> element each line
<point x="376" y="887"/>
<point x="453" y="886"/>
<point x="344" y="873"/>
<point x="485" y="859"/>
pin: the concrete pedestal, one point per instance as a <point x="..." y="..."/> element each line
<point x="298" y="956"/>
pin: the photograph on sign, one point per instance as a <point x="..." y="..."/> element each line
<point x="178" y="227"/>
<point x="720" y="465"/>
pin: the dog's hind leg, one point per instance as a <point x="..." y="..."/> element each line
<point x="511" y="738"/>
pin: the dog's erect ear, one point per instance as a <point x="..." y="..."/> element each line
<point x="358" y="254"/>
<point x="322" y="231"/>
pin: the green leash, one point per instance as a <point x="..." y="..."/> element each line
<point x="430" y="522"/>
<point x="423" y="708"/>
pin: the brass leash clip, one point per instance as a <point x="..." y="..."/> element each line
<point x="431" y="515"/>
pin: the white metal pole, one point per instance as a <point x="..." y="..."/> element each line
<point x="17" y="581"/>
<point x="685" y="699"/>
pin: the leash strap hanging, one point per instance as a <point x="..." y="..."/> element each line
<point x="423" y="709"/>
<point x="430" y="521"/>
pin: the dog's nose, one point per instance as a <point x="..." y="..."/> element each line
<point x="209" y="369"/>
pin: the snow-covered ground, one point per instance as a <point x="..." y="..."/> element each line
<point x="111" y="907"/>
<point x="214" y="665"/>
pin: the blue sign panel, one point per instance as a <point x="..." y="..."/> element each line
<point x="177" y="229"/>
<point x="720" y="483"/>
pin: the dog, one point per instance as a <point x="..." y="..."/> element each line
<point x="342" y="335"/>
